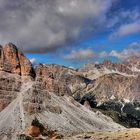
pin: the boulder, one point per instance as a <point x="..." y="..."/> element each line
<point x="33" y="131"/>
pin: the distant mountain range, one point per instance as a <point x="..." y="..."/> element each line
<point x="64" y="99"/>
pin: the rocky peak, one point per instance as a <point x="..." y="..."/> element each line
<point x="11" y="46"/>
<point x="13" y="61"/>
<point x="10" y="59"/>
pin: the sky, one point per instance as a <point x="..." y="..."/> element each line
<point x="72" y="32"/>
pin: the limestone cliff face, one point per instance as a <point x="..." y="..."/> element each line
<point x="9" y="88"/>
<point x="45" y="78"/>
<point x="112" y="87"/>
<point x="13" y="61"/>
<point x="60" y="79"/>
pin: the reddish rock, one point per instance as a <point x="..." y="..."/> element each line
<point x="10" y="59"/>
<point x="3" y="104"/>
<point x="25" y="65"/>
<point x="33" y="131"/>
<point x="13" y="61"/>
<point x="13" y="65"/>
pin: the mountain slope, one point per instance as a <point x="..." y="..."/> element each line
<point x="59" y="113"/>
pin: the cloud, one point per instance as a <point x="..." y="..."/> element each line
<point x="83" y="54"/>
<point x="88" y="54"/>
<point x="132" y="49"/>
<point x="134" y="45"/>
<point x="123" y="17"/>
<point x="39" y="26"/>
<point x="126" y="29"/>
<point x="124" y="22"/>
<point x="32" y="60"/>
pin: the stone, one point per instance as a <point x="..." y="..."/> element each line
<point x="87" y="105"/>
<point x="10" y="59"/>
<point x="33" y="131"/>
<point x="13" y="61"/>
<point x="46" y="76"/>
<point x="25" y="65"/>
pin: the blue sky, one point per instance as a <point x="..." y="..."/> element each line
<point x="72" y="32"/>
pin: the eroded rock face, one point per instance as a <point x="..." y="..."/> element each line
<point x="25" y="65"/>
<point x="59" y="79"/>
<point x="13" y="66"/>
<point x="9" y="88"/>
<point x="13" y="61"/>
<point x="10" y="59"/>
<point x="113" y="87"/>
<point x="45" y="79"/>
<point x="110" y="87"/>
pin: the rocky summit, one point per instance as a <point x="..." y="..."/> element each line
<point x="44" y="93"/>
<point x="13" y="61"/>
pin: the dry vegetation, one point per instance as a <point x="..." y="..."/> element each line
<point x="128" y="134"/>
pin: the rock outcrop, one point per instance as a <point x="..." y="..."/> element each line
<point x="59" y="79"/>
<point x="13" y="61"/>
<point x="46" y="77"/>
<point x="112" y="87"/>
<point x="9" y="88"/>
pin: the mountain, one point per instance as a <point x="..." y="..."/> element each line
<point x="44" y="93"/>
<point x="130" y="67"/>
<point x="113" y="81"/>
<point x="13" y="61"/>
<point x="115" y="87"/>
<point x="111" y="86"/>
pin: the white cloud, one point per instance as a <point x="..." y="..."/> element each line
<point x="132" y="49"/>
<point x="123" y="17"/>
<point x="32" y="60"/>
<point x="83" y="54"/>
<point x="134" y="45"/>
<point x="126" y="29"/>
